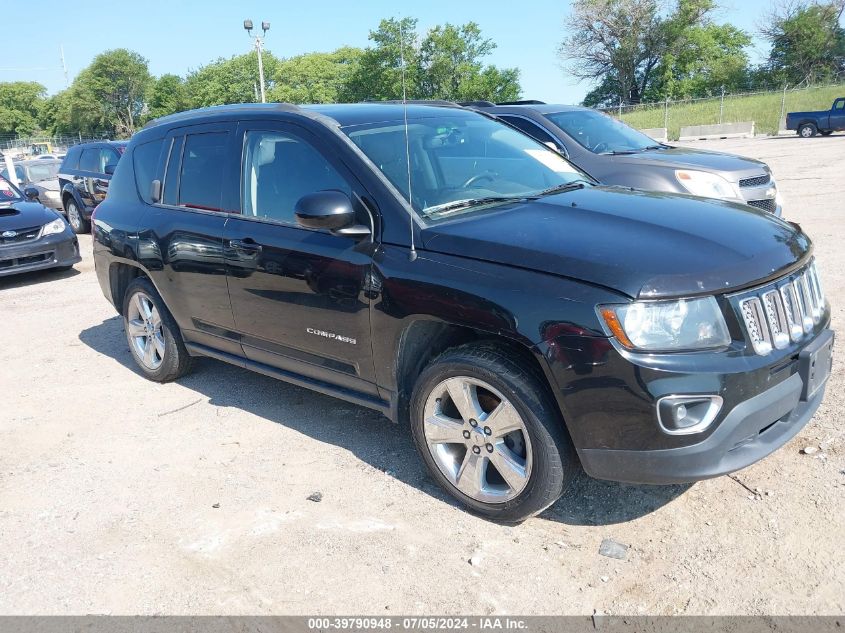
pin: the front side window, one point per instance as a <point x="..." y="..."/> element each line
<point x="280" y="168"/>
<point x="600" y="133"/>
<point x="201" y="177"/>
<point x="461" y="161"/>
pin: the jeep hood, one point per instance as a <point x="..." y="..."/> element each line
<point x="689" y="158"/>
<point x="642" y="244"/>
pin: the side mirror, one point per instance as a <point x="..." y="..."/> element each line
<point x="31" y="193"/>
<point x="325" y="210"/>
<point x="155" y="191"/>
<point x="110" y="169"/>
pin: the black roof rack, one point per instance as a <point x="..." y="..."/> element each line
<point x="222" y="109"/>
<point x="477" y="104"/>
<point x="522" y="102"/>
<point x="431" y="102"/>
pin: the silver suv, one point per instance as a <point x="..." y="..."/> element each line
<point x="617" y="154"/>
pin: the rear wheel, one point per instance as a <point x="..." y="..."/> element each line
<point x="489" y="433"/>
<point x="807" y="130"/>
<point x="74" y="218"/>
<point x="153" y="336"/>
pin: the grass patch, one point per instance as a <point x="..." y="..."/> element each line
<point x="762" y="108"/>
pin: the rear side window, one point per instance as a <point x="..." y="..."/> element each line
<point x="839" y="104"/>
<point x="90" y="160"/>
<point x="201" y="177"/>
<point x="71" y="160"/>
<point x="145" y="160"/>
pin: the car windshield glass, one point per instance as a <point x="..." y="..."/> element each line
<point x="600" y="133"/>
<point x="461" y="162"/>
<point x="8" y="193"/>
<point x="43" y="171"/>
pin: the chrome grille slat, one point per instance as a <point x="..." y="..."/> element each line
<point x="783" y="311"/>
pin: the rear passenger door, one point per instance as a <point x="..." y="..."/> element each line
<point x="183" y="236"/>
<point x="299" y="295"/>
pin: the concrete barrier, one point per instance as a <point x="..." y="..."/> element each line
<point x="659" y="134"/>
<point x="720" y="130"/>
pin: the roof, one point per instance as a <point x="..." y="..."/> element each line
<point x="341" y="113"/>
<point x="542" y="108"/>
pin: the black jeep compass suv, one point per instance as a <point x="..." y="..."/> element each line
<point x="451" y="272"/>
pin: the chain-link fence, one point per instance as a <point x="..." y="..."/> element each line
<point x="767" y="109"/>
<point x="33" y="145"/>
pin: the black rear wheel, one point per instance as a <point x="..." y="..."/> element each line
<point x="490" y="434"/>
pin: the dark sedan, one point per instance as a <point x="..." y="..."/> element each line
<point x="32" y="237"/>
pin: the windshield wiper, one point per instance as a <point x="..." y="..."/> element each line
<point x="458" y="205"/>
<point x="580" y="183"/>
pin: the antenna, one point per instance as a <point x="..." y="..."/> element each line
<point x="413" y="254"/>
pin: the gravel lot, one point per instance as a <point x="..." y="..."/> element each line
<point x="118" y="495"/>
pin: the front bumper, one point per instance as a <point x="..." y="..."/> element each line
<point x="47" y="252"/>
<point x="751" y="431"/>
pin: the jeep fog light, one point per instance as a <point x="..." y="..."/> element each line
<point x="684" y="415"/>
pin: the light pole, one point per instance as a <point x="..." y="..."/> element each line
<point x="259" y="42"/>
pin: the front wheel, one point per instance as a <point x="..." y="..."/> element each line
<point x="489" y="433"/>
<point x="74" y="218"/>
<point x="807" y="130"/>
<point x="153" y="336"/>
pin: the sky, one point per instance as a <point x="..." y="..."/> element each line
<point x="178" y="36"/>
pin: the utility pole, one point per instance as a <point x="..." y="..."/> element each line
<point x="722" y="106"/>
<point x="259" y="44"/>
<point x="781" y="122"/>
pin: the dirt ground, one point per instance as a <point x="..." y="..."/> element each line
<point x="119" y="495"/>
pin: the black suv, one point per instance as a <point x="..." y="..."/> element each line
<point x="617" y="154"/>
<point x="84" y="179"/>
<point x="437" y="265"/>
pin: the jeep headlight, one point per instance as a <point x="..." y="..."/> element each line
<point x="707" y="185"/>
<point x="679" y="325"/>
<point x="51" y="228"/>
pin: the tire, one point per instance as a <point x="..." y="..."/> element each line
<point x="807" y="130"/>
<point x="538" y="466"/>
<point x="152" y="334"/>
<point x="78" y="224"/>
<point x="826" y="133"/>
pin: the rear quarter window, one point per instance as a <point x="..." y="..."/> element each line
<point x="145" y="159"/>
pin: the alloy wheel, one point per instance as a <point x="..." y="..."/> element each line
<point x="477" y="439"/>
<point x="143" y="328"/>
<point x="73" y="215"/>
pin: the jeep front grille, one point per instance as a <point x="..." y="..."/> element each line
<point x="783" y="311"/>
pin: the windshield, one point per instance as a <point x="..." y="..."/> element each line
<point x="600" y="133"/>
<point x="43" y="171"/>
<point x="8" y="193"/>
<point x="462" y="161"/>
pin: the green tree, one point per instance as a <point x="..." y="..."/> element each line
<point x="447" y="63"/>
<point x="167" y="95"/>
<point x="20" y="105"/>
<point x="379" y="72"/>
<point x="451" y="66"/>
<point x="635" y="49"/>
<point x="316" y="77"/>
<point x="233" y="80"/>
<point x="117" y="82"/>
<point x="711" y="57"/>
<point x="807" y="41"/>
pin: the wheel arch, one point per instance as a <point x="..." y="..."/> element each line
<point x="121" y="274"/>
<point x="423" y="340"/>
